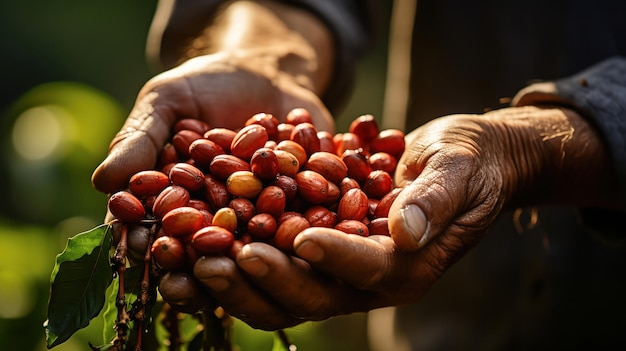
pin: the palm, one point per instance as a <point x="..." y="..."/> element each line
<point x="217" y="89"/>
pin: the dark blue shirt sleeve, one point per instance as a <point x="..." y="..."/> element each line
<point x="600" y="94"/>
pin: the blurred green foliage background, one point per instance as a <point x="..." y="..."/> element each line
<point x="70" y="71"/>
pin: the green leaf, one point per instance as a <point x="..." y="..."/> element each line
<point x="110" y="312"/>
<point x="79" y="281"/>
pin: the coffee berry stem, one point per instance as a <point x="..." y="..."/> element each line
<point x="171" y="321"/>
<point x="282" y="335"/>
<point x="216" y="329"/>
<point x="119" y="264"/>
<point x="144" y="295"/>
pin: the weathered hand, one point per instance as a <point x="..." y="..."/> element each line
<point x="334" y="274"/>
<point x="221" y="89"/>
<point x="459" y="173"/>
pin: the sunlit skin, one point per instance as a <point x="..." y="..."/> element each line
<point x="248" y="74"/>
<point x="459" y="172"/>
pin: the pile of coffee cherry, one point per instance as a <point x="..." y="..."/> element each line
<point x="216" y="189"/>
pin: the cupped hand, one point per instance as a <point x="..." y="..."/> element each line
<point x="222" y="89"/>
<point x="458" y="172"/>
<point x="332" y="274"/>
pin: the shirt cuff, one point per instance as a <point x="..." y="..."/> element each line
<point x="599" y="95"/>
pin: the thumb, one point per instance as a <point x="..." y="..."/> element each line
<point x="130" y="155"/>
<point x="135" y="148"/>
<point x="425" y="208"/>
<point x="408" y="224"/>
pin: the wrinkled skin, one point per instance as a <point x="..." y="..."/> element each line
<point x="461" y="171"/>
<point x="458" y="172"/>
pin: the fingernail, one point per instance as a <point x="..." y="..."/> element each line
<point x="254" y="266"/>
<point x="414" y="222"/>
<point x="216" y="284"/>
<point x="310" y="251"/>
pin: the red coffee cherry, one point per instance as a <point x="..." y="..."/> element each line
<point x="352" y="226"/>
<point x="126" y="207"/>
<point x="390" y="141"/>
<point x="298" y="115"/>
<point x="148" y="183"/>
<point x="284" y="131"/>
<point x="330" y="166"/>
<point x="202" y="151"/>
<point x="212" y="240"/>
<point x="268" y="121"/>
<point x="347" y="141"/>
<point x="365" y="127"/>
<point x="168" y="252"/>
<point x="187" y="176"/>
<point x="264" y="163"/>
<point x="192" y="124"/>
<point x="168" y="155"/>
<point x="248" y="140"/>
<point x="312" y="186"/>
<point x="353" y="205"/>
<point x="382" y="210"/>
<point x="244" y="209"/>
<point x="262" y="226"/>
<point x="287" y="232"/>
<point x="320" y="216"/>
<point x="295" y="149"/>
<point x="215" y="192"/>
<point x="305" y="134"/>
<point x="271" y="200"/>
<point x="377" y="184"/>
<point x="288" y="185"/>
<point x="182" y="221"/>
<point x="379" y="226"/>
<point x="224" y="165"/>
<point x="327" y="144"/>
<point x="222" y="137"/>
<point x="171" y="197"/>
<point x="182" y="140"/>
<point x="383" y="161"/>
<point x="358" y="165"/>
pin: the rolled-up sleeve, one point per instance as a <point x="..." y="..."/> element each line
<point x="351" y="22"/>
<point x="599" y="93"/>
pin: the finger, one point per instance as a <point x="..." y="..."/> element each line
<point x="383" y="275"/>
<point x="305" y="293"/>
<point x="136" y="146"/>
<point x="432" y="201"/>
<point x="359" y="261"/>
<point x="237" y="296"/>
